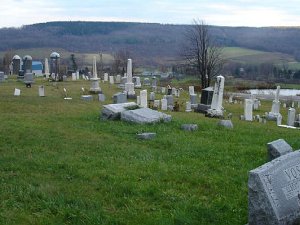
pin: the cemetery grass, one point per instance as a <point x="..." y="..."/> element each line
<point x="60" y="164"/>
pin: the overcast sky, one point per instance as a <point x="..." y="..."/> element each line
<point x="257" y="13"/>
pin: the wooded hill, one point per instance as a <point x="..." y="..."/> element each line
<point x="148" y="42"/>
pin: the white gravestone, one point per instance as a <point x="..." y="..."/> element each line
<point x="77" y="75"/>
<point x="41" y="91"/>
<point x="138" y="100"/>
<point x="143" y="99"/>
<point x="17" y="92"/>
<point x="105" y="77"/>
<point x="138" y="82"/>
<point x="95" y="88"/>
<point x="129" y="85"/>
<point x="191" y="90"/>
<point x="111" y="80"/>
<point x="47" y="72"/>
<point x="188" y="107"/>
<point x="275" y="110"/>
<point x="216" y="109"/>
<point x="248" y="109"/>
<point x="291" y="117"/>
<point x="164" y="104"/>
<point x="74" y="76"/>
<point x="163" y="90"/>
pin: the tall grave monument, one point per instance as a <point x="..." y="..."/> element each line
<point x="16" y="63"/>
<point x="216" y="109"/>
<point x="95" y="88"/>
<point x="129" y="85"/>
<point x="275" y="111"/>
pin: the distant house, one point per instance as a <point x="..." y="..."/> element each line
<point x="37" y="68"/>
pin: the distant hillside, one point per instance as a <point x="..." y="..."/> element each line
<point x="148" y="42"/>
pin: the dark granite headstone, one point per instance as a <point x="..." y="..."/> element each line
<point x="206" y="95"/>
<point x="278" y="148"/>
<point x="274" y="192"/>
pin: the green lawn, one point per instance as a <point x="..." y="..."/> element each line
<point x="60" y="164"/>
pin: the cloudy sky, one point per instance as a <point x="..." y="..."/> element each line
<point x="257" y="13"/>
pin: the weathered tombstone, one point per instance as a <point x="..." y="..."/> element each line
<point x="225" y="123"/>
<point x="146" y="136"/>
<point x="147" y="82"/>
<point x="191" y="90"/>
<point x="17" y="92"/>
<point x="87" y="98"/>
<point x="275" y="110"/>
<point x="163" y="90"/>
<point x="105" y="77"/>
<point x="111" y="80"/>
<point x="42" y="91"/>
<point x="273" y="192"/>
<point x="137" y="83"/>
<point x="173" y="90"/>
<point x="216" y="109"/>
<point x="119" y="98"/>
<point x="193" y="99"/>
<point x="189" y="127"/>
<point x="2" y="76"/>
<point x="118" y="79"/>
<point x="278" y="148"/>
<point x="16" y="63"/>
<point x="256" y="103"/>
<point x="138" y="100"/>
<point x="154" y="82"/>
<point x="291" y="117"/>
<point x="188" y="107"/>
<point x="145" y="115"/>
<point x="170" y="100"/>
<point x="101" y="97"/>
<point x="156" y="104"/>
<point x="230" y="99"/>
<point x="248" y="109"/>
<point x="152" y="96"/>
<point x="177" y="93"/>
<point x="207" y="95"/>
<point x="113" y="111"/>
<point x="28" y="79"/>
<point x="129" y="85"/>
<point x="143" y="98"/>
<point x="77" y="75"/>
<point x="284" y="105"/>
<point x="164" y="104"/>
<point x="95" y="88"/>
<point x="74" y="77"/>
<point x="279" y="120"/>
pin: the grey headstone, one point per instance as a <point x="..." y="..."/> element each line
<point x="225" y="123"/>
<point x="201" y="108"/>
<point x="101" y="97"/>
<point x="113" y="111"/>
<point x="170" y="100"/>
<point x="273" y="192"/>
<point x="87" y="97"/>
<point x="119" y="98"/>
<point x="189" y="127"/>
<point x="144" y="115"/>
<point x="146" y="136"/>
<point x="2" y="78"/>
<point x="278" y="148"/>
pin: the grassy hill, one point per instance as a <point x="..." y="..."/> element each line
<point x="60" y="164"/>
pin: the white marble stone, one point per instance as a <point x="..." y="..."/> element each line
<point x="164" y="104"/>
<point x="17" y="92"/>
<point x="291" y="117"/>
<point x="143" y="98"/>
<point x="41" y="91"/>
<point x="191" y="90"/>
<point x="216" y="109"/>
<point x="248" y="110"/>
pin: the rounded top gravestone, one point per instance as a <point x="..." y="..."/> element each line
<point x="16" y="57"/>
<point x="54" y="55"/>
<point x="27" y="57"/>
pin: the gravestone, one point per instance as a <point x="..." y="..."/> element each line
<point x="147" y="82"/>
<point x="118" y="79"/>
<point x="225" y="123"/>
<point x="256" y="104"/>
<point x="164" y="104"/>
<point x="193" y="99"/>
<point x="170" y="100"/>
<point x="248" y="110"/>
<point x="207" y="95"/>
<point x="156" y="104"/>
<point x="291" y="117"/>
<point x="101" y="97"/>
<point x="275" y="110"/>
<point x="189" y="127"/>
<point x="173" y="90"/>
<point x="145" y="115"/>
<point x="2" y="78"/>
<point x="105" y="77"/>
<point x="74" y="77"/>
<point x="129" y="85"/>
<point x="278" y="148"/>
<point x="163" y="90"/>
<point x="42" y="91"/>
<point x="87" y="98"/>
<point x="154" y="82"/>
<point x="143" y="98"/>
<point x="152" y="96"/>
<point x="216" y="109"/>
<point x="146" y="136"/>
<point x="191" y="90"/>
<point x="279" y="120"/>
<point x="95" y="88"/>
<point x="188" y="107"/>
<point x="137" y="83"/>
<point x="138" y="100"/>
<point x="111" y="80"/>
<point x="17" y="92"/>
<point x="119" y="98"/>
<point x="113" y="111"/>
<point x="28" y="79"/>
<point x="273" y="192"/>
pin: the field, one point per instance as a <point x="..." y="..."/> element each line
<point x="61" y="164"/>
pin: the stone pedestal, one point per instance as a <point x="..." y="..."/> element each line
<point x="95" y="88"/>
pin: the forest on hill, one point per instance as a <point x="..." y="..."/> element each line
<point x="145" y="41"/>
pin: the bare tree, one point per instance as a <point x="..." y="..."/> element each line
<point x="202" y="53"/>
<point x="120" y="60"/>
